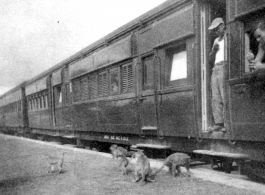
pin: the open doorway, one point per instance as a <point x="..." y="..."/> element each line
<point x="209" y="10"/>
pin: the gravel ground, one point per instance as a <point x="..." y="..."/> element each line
<point x="24" y="171"/>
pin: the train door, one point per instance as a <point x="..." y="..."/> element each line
<point x="176" y="94"/>
<point x="148" y="97"/>
<point x="209" y="10"/>
<point x="247" y="86"/>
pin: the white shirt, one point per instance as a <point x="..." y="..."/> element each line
<point x="220" y="54"/>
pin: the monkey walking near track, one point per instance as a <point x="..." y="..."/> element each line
<point x="174" y="161"/>
<point x="123" y="164"/>
<point x="56" y="164"/>
<point x="142" y="168"/>
<point x="118" y="151"/>
<point x="120" y="154"/>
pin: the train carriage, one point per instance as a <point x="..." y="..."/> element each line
<point x="147" y="85"/>
<point x="13" y="111"/>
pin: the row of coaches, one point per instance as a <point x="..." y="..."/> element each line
<point x="147" y="84"/>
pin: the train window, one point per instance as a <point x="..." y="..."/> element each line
<point x="148" y="72"/>
<point x="58" y="95"/>
<point x="250" y="42"/>
<point x="31" y="103"/>
<point x="43" y="101"/>
<point x="28" y="103"/>
<point x="35" y="103"/>
<point x="114" y="81"/>
<point x="92" y="80"/>
<point x="46" y="100"/>
<point x="38" y="102"/>
<point x="176" y="65"/>
<point x="179" y="66"/>
<point x="127" y="78"/>
<point x="19" y="106"/>
<point x="76" y="90"/>
<point x="102" y="84"/>
<point x="67" y="94"/>
<point x="84" y="93"/>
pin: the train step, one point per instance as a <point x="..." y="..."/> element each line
<point x="153" y="146"/>
<point x="224" y="159"/>
<point x="149" y="130"/>
<point x="221" y="154"/>
<point x="152" y="150"/>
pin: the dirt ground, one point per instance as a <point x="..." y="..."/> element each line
<point x="24" y="171"/>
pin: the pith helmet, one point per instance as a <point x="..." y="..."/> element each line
<point x="216" y="22"/>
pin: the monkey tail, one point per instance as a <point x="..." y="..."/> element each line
<point x="154" y="173"/>
<point x="61" y="166"/>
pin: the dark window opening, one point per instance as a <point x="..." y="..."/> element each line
<point x="250" y="43"/>
<point x="114" y="81"/>
<point x="148" y="72"/>
<point x="58" y="95"/>
<point x="84" y="92"/>
<point x="76" y="90"/>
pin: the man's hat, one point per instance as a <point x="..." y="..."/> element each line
<point x="216" y="22"/>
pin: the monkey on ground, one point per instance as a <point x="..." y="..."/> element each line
<point x="142" y="168"/>
<point x="174" y="161"/>
<point x="123" y="164"/>
<point x="120" y="154"/>
<point x="56" y="164"/>
<point x="118" y="151"/>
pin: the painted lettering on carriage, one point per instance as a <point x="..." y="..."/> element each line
<point x="120" y="138"/>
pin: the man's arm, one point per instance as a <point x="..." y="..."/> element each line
<point x="212" y="55"/>
<point x="260" y="54"/>
<point x="257" y="62"/>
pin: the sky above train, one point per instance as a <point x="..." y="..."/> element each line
<point x="37" y="34"/>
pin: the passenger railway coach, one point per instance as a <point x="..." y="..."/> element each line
<point x="147" y="85"/>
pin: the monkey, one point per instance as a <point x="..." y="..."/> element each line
<point x="56" y="164"/>
<point x="118" y="151"/>
<point x="142" y="168"/>
<point x="120" y="154"/>
<point x="174" y="161"/>
<point x="123" y="164"/>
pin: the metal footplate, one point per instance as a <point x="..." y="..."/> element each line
<point x="154" y="146"/>
<point x="224" y="158"/>
<point x="153" y="150"/>
<point x="222" y="154"/>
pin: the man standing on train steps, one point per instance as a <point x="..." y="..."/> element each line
<point x="217" y="57"/>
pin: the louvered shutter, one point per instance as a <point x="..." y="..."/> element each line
<point x="93" y="87"/>
<point x="103" y="84"/>
<point x="127" y="78"/>
<point x="84" y="89"/>
<point x="76" y="90"/>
